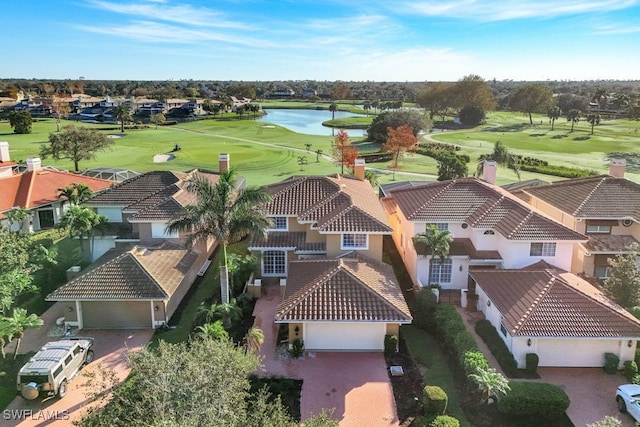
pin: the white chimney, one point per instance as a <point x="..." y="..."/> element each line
<point x="34" y="164"/>
<point x="223" y="162"/>
<point x="616" y="167"/>
<point x="358" y="169"/>
<point x="489" y="170"/>
<point x="4" y="152"/>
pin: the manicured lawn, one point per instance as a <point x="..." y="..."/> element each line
<point x="426" y="352"/>
<point x="350" y="122"/>
<point x="8" y="373"/>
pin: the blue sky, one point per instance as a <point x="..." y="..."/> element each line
<point x="392" y="40"/>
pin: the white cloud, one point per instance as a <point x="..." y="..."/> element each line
<point x="616" y="29"/>
<point x="498" y="10"/>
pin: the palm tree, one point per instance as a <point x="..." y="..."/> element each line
<point x="318" y="154"/>
<point x="433" y="243"/>
<point x="226" y="312"/>
<point x="18" y="322"/>
<point x="254" y="339"/>
<point x="222" y="214"/>
<point x="213" y="330"/>
<point x="593" y="119"/>
<point x="554" y="113"/>
<point x="123" y="114"/>
<point x="80" y="221"/>
<point x="333" y="108"/>
<point x="372" y="177"/>
<point x="490" y="383"/>
<point x="501" y="156"/>
<point x="69" y="193"/>
<point x="302" y="160"/>
<point x="573" y="116"/>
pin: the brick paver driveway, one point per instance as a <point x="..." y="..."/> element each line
<point x="592" y="393"/>
<point x="355" y="384"/>
<point x="110" y="349"/>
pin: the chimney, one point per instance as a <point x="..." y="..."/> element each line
<point x="616" y="167"/>
<point x="358" y="169"/>
<point x="4" y="152"/>
<point x="223" y="162"/>
<point x="34" y="164"/>
<point x="489" y="170"/>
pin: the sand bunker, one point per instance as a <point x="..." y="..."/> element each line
<point x="161" y="158"/>
<point x="114" y="136"/>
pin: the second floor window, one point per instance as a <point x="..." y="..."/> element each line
<point x="543" y="249"/>
<point x="440" y="270"/>
<point x="279" y="223"/>
<point x="600" y="229"/>
<point x="442" y="226"/>
<point x="354" y="241"/>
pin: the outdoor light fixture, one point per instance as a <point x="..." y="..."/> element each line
<point x="460" y="268"/>
<point x="157" y="308"/>
<point x="630" y="343"/>
<point x="488" y="303"/>
<point x="70" y="309"/>
<point x="296" y="330"/>
<point x="529" y="342"/>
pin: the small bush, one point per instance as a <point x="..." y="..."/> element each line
<point x="498" y="348"/>
<point x="473" y="361"/>
<point x="611" y="362"/>
<point x="434" y="400"/>
<point x="532" y="363"/>
<point x="424" y="308"/>
<point x="390" y="345"/>
<point x="444" y="421"/>
<point x="533" y="399"/>
<point x="630" y="369"/>
<point x="297" y="348"/>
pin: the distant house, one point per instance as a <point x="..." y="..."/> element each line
<point x="37" y="190"/>
<point x="605" y="208"/>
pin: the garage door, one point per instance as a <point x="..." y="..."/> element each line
<point x="116" y="315"/>
<point x="576" y="353"/>
<point x="340" y="336"/>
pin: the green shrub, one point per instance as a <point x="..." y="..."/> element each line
<point x="297" y="348"/>
<point x="498" y="348"/>
<point x="532" y="363"/>
<point x="562" y="171"/>
<point x="611" y="362"/>
<point x="533" y="399"/>
<point x="473" y="361"/>
<point x="443" y="421"/>
<point x="434" y="400"/>
<point x="424" y="308"/>
<point x="390" y="345"/>
<point x="630" y="369"/>
<point x="449" y="323"/>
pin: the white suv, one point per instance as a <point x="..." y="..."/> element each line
<point x="51" y="368"/>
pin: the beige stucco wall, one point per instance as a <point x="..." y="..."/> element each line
<point x="555" y="213"/>
<point x="374" y="251"/>
<point x="292" y="331"/>
<point x="393" y="329"/>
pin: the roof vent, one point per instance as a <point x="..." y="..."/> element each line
<point x="627" y="222"/>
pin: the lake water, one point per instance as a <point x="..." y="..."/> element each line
<point x="308" y="121"/>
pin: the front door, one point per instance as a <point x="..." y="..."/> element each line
<point x="45" y="218"/>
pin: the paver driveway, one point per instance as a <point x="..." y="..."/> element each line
<point x="110" y="349"/>
<point x="355" y="384"/>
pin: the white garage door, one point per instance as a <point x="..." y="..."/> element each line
<point x="575" y="353"/>
<point x="352" y="336"/>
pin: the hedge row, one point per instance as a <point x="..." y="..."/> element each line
<point x="561" y="171"/>
<point x="439" y="146"/>
<point x="441" y="155"/>
<point x="498" y="348"/>
<point x="532" y="399"/>
<point x="376" y="157"/>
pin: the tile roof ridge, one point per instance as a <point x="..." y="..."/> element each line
<point x="134" y="256"/>
<point x="590" y="195"/>
<point x="536" y="302"/>
<point x="486" y="211"/>
<point x="323" y="202"/>
<point x="311" y="286"/>
<point x="31" y="179"/>
<point x="444" y="188"/>
<point x="295" y="181"/>
<point x="517" y="228"/>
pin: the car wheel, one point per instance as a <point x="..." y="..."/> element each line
<point x="62" y="390"/>
<point x="621" y="405"/>
<point x="89" y="357"/>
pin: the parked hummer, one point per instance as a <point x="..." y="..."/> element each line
<point x="54" y="366"/>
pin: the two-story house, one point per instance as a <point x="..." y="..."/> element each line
<point x="139" y="280"/>
<point x="490" y="229"/>
<point x="326" y="247"/>
<point x="605" y="208"/>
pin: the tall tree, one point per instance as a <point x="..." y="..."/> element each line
<point x="593" y="119"/>
<point x="18" y="322"/>
<point x="75" y="193"/>
<point x="502" y="156"/>
<point x="532" y="98"/>
<point x="400" y="140"/>
<point x="123" y="114"/>
<point x="20" y="121"/>
<point x="302" y="160"/>
<point x="80" y="221"/>
<point x="60" y="110"/>
<point x="573" y="116"/>
<point x="75" y="144"/>
<point x="623" y="283"/>
<point x="333" y="108"/>
<point x="433" y="243"/>
<point x="377" y="131"/>
<point x="254" y="339"/>
<point x="343" y="150"/>
<point x="158" y="119"/>
<point x="474" y="91"/>
<point x="601" y="96"/>
<point x="222" y="211"/>
<point x="491" y="384"/>
<point x="340" y="91"/>
<point x="554" y="114"/>
<point x="318" y="154"/>
<point x="452" y="166"/>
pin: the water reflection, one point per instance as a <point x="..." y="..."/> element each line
<point x="309" y="121"/>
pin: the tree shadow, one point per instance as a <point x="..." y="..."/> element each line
<point x="581" y="138"/>
<point x="559" y="136"/>
<point x="510" y="128"/>
<point x="537" y="134"/>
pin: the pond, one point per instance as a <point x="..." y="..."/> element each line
<point x="308" y="121"/>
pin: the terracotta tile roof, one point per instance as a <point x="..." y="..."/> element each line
<point x="600" y="196"/>
<point x="553" y="303"/>
<point x="136" y="189"/>
<point x="342" y="290"/>
<point x="292" y="240"/>
<point x="466" y="247"/>
<point x="137" y="274"/>
<point x="37" y="188"/>
<point x="334" y="203"/>
<point x="479" y="205"/>
<point x="609" y="243"/>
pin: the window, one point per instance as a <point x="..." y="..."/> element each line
<point x="440" y="270"/>
<point x="45" y="218"/>
<point x="602" y="271"/>
<point x="274" y="263"/>
<point x="68" y="360"/>
<point x="159" y="231"/>
<point x="503" y="329"/>
<point x="279" y="223"/>
<point x="442" y="226"/>
<point x="605" y="229"/>
<point x="57" y="372"/>
<point x="543" y="249"/>
<point x="354" y="241"/>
